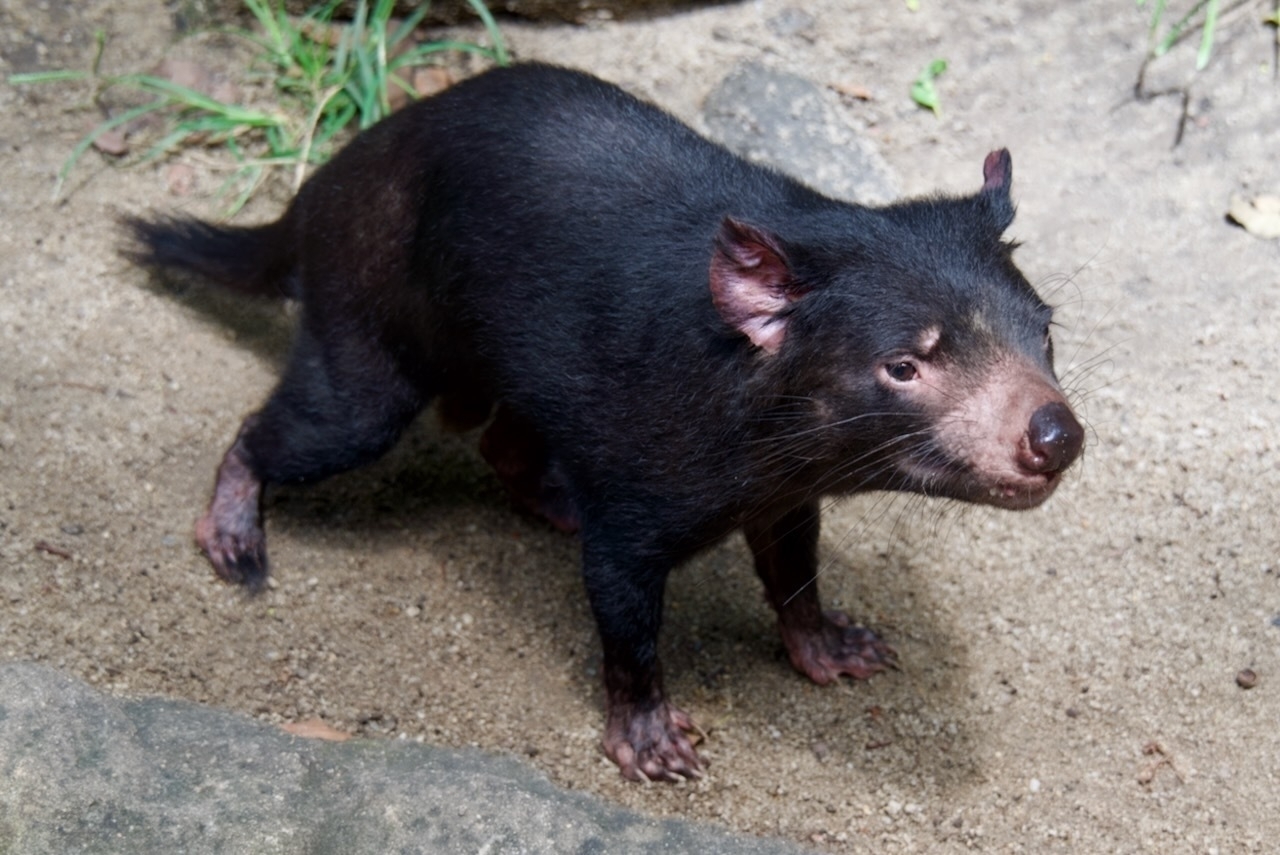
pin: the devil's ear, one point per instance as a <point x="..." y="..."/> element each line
<point x="752" y="283"/>
<point x="997" y="178"/>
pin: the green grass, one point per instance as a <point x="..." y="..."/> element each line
<point x="1202" y="14"/>
<point x="326" y="78"/>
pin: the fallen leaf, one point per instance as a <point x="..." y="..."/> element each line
<point x="1259" y="216"/>
<point x="198" y="78"/>
<point x="180" y="179"/>
<point x="314" y="728"/>
<point x="923" y="92"/>
<point x="853" y="90"/>
<point x="186" y="73"/>
<point x="111" y="142"/>
<point x="49" y="548"/>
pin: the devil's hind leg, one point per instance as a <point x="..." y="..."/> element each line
<point x="336" y="408"/>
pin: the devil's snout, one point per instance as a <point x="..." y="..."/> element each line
<point x="1054" y="439"/>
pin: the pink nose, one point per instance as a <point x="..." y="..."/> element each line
<point x="1054" y="439"/>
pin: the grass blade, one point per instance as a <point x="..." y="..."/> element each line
<point x="83" y="146"/>
<point x="409" y="24"/>
<point x="1157" y="15"/>
<point x="1176" y="31"/>
<point x="188" y="97"/>
<point x="500" y="54"/>
<point x="1206" y="40"/>
<point x="47" y="77"/>
<point x="325" y="78"/>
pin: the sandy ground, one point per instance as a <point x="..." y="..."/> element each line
<point x="1069" y="674"/>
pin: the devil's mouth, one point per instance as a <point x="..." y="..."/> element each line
<point x="955" y="480"/>
<point x="1027" y="493"/>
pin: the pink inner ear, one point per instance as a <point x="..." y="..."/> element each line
<point x="750" y="283"/>
<point x="997" y="171"/>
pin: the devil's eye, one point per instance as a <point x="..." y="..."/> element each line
<point x="903" y="372"/>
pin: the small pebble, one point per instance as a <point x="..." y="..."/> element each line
<point x="1246" y="679"/>
<point x="791" y="22"/>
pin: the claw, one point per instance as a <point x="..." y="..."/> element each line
<point x="239" y="558"/>
<point x="649" y="742"/>
<point x="837" y="647"/>
<point x="230" y="532"/>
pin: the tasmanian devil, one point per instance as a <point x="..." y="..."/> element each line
<point x="670" y="343"/>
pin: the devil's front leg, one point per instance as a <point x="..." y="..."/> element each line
<point x="821" y="644"/>
<point x="644" y="733"/>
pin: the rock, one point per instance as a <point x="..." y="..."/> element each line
<point x="85" y="772"/>
<point x="794" y="125"/>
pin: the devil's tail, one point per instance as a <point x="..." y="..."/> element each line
<point x="253" y="260"/>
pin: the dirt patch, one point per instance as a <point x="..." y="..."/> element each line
<point x="1069" y="679"/>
